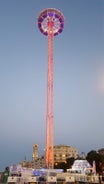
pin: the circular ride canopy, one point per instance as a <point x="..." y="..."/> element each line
<point x="51" y="19"/>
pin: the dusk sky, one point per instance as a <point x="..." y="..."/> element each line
<point x="78" y="78"/>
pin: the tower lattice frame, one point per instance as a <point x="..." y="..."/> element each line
<point x="50" y="23"/>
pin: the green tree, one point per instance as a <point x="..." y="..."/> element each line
<point x="6" y="174"/>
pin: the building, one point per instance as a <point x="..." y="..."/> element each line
<point x="37" y="162"/>
<point x="63" y="152"/>
<point x="35" y="152"/>
<point x="80" y="166"/>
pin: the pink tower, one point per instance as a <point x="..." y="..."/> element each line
<point x="50" y="23"/>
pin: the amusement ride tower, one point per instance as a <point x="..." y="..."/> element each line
<point x="50" y="23"/>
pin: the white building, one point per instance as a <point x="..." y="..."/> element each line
<point x="80" y="166"/>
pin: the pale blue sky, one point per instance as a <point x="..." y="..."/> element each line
<point x="78" y="77"/>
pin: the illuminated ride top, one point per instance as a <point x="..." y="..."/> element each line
<point x="50" y="23"/>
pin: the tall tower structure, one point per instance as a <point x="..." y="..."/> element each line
<point x="35" y="152"/>
<point x="50" y="23"/>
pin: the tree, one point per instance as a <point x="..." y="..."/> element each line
<point x="64" y="165"/>
<point x="60" y="165"/>
<point x="94" y="156"/>
<point x="69" y="162"/>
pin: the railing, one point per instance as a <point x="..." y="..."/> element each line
<point x="60" y="179"/>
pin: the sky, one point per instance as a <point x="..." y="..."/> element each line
<point x="78" y="78"/>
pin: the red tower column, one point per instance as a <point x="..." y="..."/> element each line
<point x="49" y="115"/>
